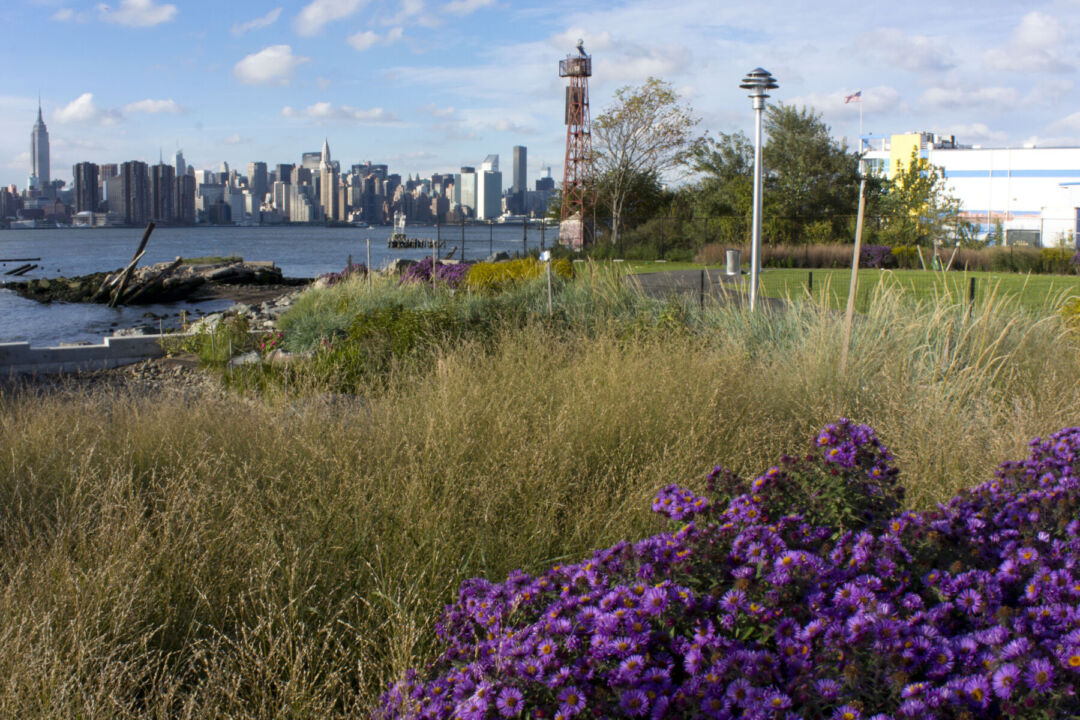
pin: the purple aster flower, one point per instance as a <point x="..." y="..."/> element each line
<point x="977" y="690"/>
<point x="634" y="702"/>
<point x="846" y="712"/>
<point x="571" y="701"/>
<point x="1004" y="680"/>
<point x="1040" y="675"/>
<point x="509" y="702"/>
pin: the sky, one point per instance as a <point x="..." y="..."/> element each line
<point x="430" y="85"/>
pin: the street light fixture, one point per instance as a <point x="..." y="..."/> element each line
<point x="757" y="82"/>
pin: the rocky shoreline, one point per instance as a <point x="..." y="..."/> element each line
<point x="167" y="282"/>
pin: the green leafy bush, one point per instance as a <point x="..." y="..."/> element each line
<point x="500" y="276"/>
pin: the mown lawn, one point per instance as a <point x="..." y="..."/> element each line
<point x="1033" y="292"/>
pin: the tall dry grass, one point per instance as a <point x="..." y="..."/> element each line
<point x="286" y="557"/>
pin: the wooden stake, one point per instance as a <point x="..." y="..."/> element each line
<point x="849" y="316"/>
<point x="139" y="252"/>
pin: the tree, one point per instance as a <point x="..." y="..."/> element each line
<point x="811" y="178"/>
<point x="811" y="181"/>
<point x="921" y="210"/>
<point x="647" y="132"/>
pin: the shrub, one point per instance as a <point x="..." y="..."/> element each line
<point x="752" y="608"/>
<point x="906" y="256"/>
<point x="354" y="270"/>
<point x="876" y="256"/>
<point x="499" y="276"/>
<point x="452" y="275"/>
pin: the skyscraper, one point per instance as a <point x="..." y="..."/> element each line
<point x="162" y="193"/>
<point x="185" y="199"/>
<point x="257" y="180"/>
<point x="468" y="188"/>
<point x="520" y="182"/>
<point x="39" y="154"/>
<point x="86" y="187"/>
<point x="181" y="166"/>
<point x="489" y="189"/>
<point x="328" y="184"/>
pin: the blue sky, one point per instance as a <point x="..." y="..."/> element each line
<point x="430" y="85"/>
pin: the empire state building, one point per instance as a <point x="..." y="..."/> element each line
<point x="39" y="154"/>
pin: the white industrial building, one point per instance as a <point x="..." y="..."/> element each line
<point x="1034" y="192"/>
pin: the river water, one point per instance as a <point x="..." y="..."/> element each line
<point x="300" y="251"/>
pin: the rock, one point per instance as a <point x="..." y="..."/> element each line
<point x="239" y="309"/>
<point x="133" y="332"/>
<point x="497" y="257"/>
<point x="248" y="358"/>
<point x="399" y="265"/>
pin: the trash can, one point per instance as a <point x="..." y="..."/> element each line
<point x="733" y="262"/>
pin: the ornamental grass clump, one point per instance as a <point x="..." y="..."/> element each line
<point x="773" y="605"/>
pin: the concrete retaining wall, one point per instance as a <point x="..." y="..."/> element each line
<point x="21" y="359"/>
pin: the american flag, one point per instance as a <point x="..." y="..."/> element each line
<point x="853" y="97"/>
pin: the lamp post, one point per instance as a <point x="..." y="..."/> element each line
<point x="757" y="82"/>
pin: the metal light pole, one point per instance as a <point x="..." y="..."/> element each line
<point x="757" y="82"/>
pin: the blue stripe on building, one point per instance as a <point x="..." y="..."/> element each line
<point x="1012" y="173"/>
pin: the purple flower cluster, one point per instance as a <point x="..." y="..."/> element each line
<point x="450" y="275"/>
<point x="747" y="610"/>
<point x="356" y="269"/>
<point x="876" y="256"/>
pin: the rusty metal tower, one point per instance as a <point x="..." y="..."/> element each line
<point x="576" y="169"/>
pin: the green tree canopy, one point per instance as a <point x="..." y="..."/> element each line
<point x="645" y="133"/>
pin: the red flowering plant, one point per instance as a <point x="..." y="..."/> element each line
<point x="776" y="604"/>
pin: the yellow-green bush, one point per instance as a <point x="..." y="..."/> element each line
<point x="498" y="276"/>
<point x="1071" y="312"/>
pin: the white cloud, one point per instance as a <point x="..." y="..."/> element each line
<point x="21" y="161"/>
<point x="154" y="107"/>
<point x="83" y="111"/>
<point x="412" y="12"/>
<point x="1069" y="122"/>
<point x="137" y="13"/>
<point x="260" y="22"/>
<point x="320" y="12"/>
<point x="910" y="52"/>
<point x="324" y="111"/>
<point x="323" y="82"/>
<point x="440" y="112"/>
<point x="273" y="65"/>
<point x="465" y="7"/>
<point x="977" y="132"/>
<point x="236" y="139"/>
<point x="63" y="15"/>
<point x="988" y="97"/>
<point x="368" y="39"/>
<point x="567" y="41"/>
<point x="878" y="99"/>
<point x="1033" y="46"/>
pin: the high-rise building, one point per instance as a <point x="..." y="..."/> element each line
<point x="328" y="184"/>
<point x="257" y="180"/>
<point x="467" y="193"/>
<point x="284" y="173"/>
<point x="488" y="194"/>
<point x="180" y="165"/>
<point x="39" y="154"/>
<point x="185" y="199"/>
<point x="162" y="193"/>
<point x="129" y="194"/>
<point x="520" y="181"/>
<point x="86" y="187"/>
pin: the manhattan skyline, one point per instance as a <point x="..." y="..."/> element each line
<point x="429" y="87"/>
